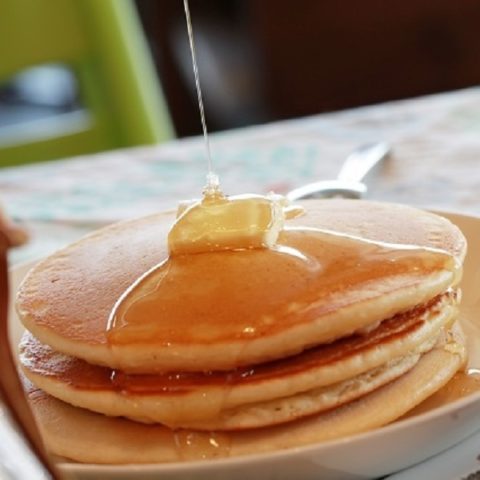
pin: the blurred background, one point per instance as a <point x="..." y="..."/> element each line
<point x="259" y="61"/>
<point x="274" y="59"/>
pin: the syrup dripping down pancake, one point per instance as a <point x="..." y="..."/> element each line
<point x="66" y="301"/>
<point x="339" y="372"/>
<point x="85" y="436"/>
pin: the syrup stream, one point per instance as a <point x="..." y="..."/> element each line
<point x="212" y="179"/>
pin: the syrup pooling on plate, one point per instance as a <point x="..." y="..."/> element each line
<point x="462" y="384"/>
<point x="466" y="381"/>
<point x="244" y="291"/>
<point x="201" y="446"/>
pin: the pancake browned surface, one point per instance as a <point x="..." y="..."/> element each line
<point x="89" y="437"/>
<point x="200" y="399"/>
<point x="67" y="299"/>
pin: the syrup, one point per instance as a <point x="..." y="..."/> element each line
<point x="243" y="294"/>
<point x="201" y="445"/>
<point x="212" y="179"/>
<point x="185" y="382"/>
<point x="215" y="391"/>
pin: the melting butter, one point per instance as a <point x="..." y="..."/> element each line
<point x="217" y="222"/>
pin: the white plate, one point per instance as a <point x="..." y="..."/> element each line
<point x="373" y="454"/>
<point x="455" y="464"/>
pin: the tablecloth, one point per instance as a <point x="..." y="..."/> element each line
<point x="435" y="164"/>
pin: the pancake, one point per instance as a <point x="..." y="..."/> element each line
<point x="343" y="324"/>
<point x="327" y="375"/>
<point x="84" y="436"/>
<point x="240" y="308"/>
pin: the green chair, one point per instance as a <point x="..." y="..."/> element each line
<point x="103" y="43"/>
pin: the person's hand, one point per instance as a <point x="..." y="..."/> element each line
<point x="14" y="234"/>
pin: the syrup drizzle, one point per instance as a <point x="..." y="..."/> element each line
<point x="233" y="295"/>
<point x="213" y="184"/>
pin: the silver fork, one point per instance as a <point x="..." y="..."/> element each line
<point x="349" y="183"/>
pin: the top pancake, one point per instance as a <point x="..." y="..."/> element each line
<point x="275" y="306"/>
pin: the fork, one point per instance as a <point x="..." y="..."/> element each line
<point x="349" y="182"/>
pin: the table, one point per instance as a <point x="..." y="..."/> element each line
<point x="435" y="164"/>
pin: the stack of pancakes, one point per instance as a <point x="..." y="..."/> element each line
<point x="272" y="351"/>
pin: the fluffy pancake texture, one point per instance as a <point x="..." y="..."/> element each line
<point x="85" y="436"/>
<point x="66" y="300"/>
<point x="201" y="400"/>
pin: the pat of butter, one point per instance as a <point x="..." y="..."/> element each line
<point x="219" y="223"/>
